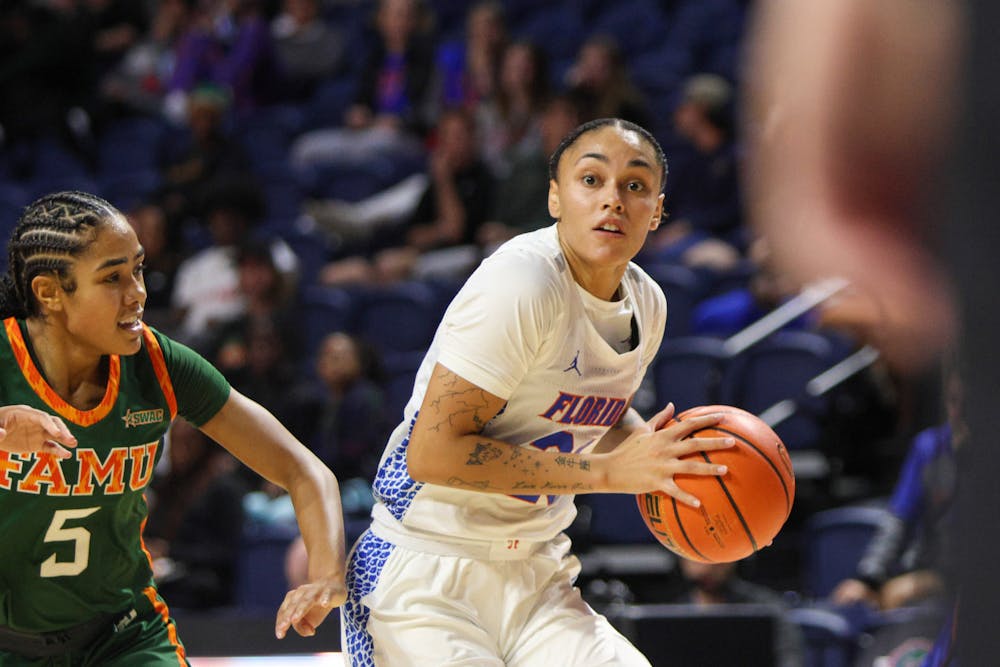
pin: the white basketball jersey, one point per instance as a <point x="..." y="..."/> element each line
<point x="519" y="329"/>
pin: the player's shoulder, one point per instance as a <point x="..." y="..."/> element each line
<point x="529" y="264"/>
<point x="645" y="289"/>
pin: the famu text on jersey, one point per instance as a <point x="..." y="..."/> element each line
<point x="124" y="467"/>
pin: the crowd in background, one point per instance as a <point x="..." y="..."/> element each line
<point x="274" y="154"/>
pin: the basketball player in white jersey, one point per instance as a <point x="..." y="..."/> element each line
<point x="521" y="402"/>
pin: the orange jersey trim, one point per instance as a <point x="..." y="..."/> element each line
<point x="142" y="536"/>
<point x="161" y="608"/>
<point x="160" y="368"/>
<point x="49" y="395"/>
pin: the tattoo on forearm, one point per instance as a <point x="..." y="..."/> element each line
<point x="483" y="452"/>
<point x="484" y="485"/>
<point x="572" y="462"/>
<point x="471" y="402"/>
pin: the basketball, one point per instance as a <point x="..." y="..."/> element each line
<point x="741" y="511"/>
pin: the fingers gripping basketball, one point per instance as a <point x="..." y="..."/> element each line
<point x="742" y="511"/>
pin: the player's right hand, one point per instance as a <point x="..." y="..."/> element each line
<point x="306" y="607"/>
<point x="648" y="459"/>
<point x="24" y="429"/>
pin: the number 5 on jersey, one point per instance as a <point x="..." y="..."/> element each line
<point x="79" y="536"/>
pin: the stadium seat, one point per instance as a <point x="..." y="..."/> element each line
<point x="328" y="103"/>
<point x="325" y="310"/>
<point x="126" y="190"/>
<point x="833" y="542"/>
<point x="13" y="199"/>
<point x="687" y="371"/>
<point x="777" y="369"/>
<point x="260" y="569"/>
<point x="637" y="26"/>
<point x="400" y="372"/>
<point x="556" y="28"/>
<point x="830" y="640"/>
<point x="684" y="288"/>
<point x="398" y="318"/>
<point x="265" y="134"/>
<point x="615" y="519"/>
<point x="131" y="144"/>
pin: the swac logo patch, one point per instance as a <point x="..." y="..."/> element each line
<point x="142" y="417"/>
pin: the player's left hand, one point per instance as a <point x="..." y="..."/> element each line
<point x="307" y="606"/>
<point x="24" y="429"/>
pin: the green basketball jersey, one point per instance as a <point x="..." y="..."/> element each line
<point x="71" y="530"/>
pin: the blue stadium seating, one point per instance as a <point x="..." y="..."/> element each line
<point x="830" y="640"/>
<point x="833" y="542"/>
<point x="260" y="569"/>
<point x="130" y="144"/>
<point x="638" y="26"/>
<point x="688" y="370"/>
<point x="398" y="318"/>
<point x="325" y="310"/>
<point x="776" y="369"/>
<point x="684" y="288"/>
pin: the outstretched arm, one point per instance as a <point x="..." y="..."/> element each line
<point x="447" y="448"/>
<point x="256" y="437"/>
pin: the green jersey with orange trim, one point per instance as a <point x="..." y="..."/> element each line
<point x="72" y="529"/>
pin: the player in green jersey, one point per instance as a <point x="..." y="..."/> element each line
<point x="87" y="392"/>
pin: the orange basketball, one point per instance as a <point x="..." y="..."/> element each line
<point x="740" y="511"/>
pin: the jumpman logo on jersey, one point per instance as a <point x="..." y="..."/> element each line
<point x="573" y="366"/>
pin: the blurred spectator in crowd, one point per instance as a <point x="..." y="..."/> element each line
<point x="117" y="26"/>
<point x="207" y="290"/>
<point x="440" y="235"/>
<point x="263" y="368"/>
<point x="508" y="122"/>
<point x="137" y="84"/>
<point x="42" y="46"/>
<point x="267" y="297"/>
<point x="309" y="48"/>
<point x="162" y="258"/>
<point x="200" y="156"/>
<point x="599" y="78"/>
<point x="703" y="199"/>
<point x="903" y="565"/>
<point x="230" y="46"/>
<point x="342" y="416"/>
<point x="393" y="107"/>
<point x="767" y="288"/>
<point x="521" y="201"/>
<point x="195" y="521"/>
<point x="708" y="584"/>
<point x="468" y="69"/>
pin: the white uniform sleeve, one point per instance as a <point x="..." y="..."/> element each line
<point x="498" y="322"/>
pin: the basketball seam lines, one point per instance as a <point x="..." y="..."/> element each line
<point x="767" y="459"/>
<point x="736" y="508"/>
<point x="725" y="489"/>
<point x="680" y="524"/>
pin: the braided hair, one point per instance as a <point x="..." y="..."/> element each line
<point x="598" y="123"/>
<point x="52" y="231"/>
